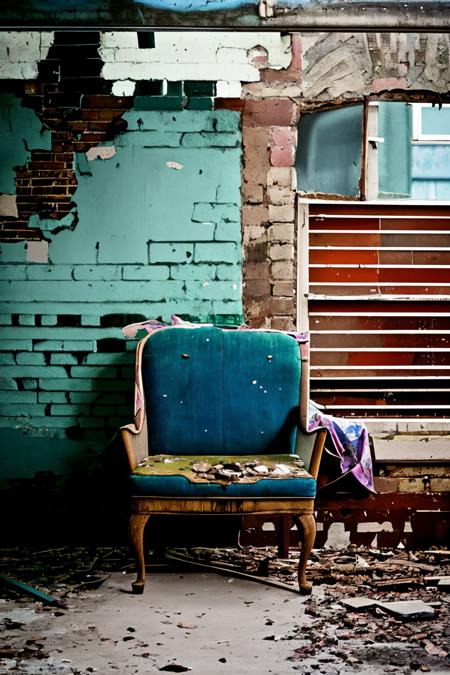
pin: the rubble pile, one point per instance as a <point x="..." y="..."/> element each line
<point x="371" y="611"/>
<point x="235" y="471"/>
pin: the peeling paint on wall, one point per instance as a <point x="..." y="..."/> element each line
<point x="101" y="152"/>
<point x="37" y="252"/>
<point x="8" y="206"/>
<point x="193" y="56"/>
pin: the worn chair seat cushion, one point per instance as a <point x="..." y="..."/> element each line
<point x="244" y="476"/>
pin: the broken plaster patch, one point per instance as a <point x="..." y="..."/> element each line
<point x="227" y="89"/>
<point x="101" y="152"/>
<point x="8" y="206"/>
<point x="123" y="88"/>
<point x="37" y="251"/>
<point x="174" y="165"/>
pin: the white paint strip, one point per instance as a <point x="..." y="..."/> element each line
<point x="350" y="378"/>
<point x="174" y="165"/>
<point x="101" y="152"/>
<point x="341" y="314"/>
<point x="379" y="231"/>
<point x="365" y="366"/>
<point x="388" y="407"/>
<point x="380" y="332"/>
<point x="387" y="350"/>
<point x="362" y="266"/>
<point x="381" y="391"/>
<point x="384" y="216"/>
<point x="379" y="248"/>
<point x="382" y="298"/>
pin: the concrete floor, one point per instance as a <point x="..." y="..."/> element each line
<point x="206" y="622"/>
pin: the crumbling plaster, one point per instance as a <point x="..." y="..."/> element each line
<point x="349" y="65"/>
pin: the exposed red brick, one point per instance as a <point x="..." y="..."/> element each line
<point x="282" y="156"/>
<point x="285" y="288"/>
<point x="255" y="137"/>
<point x="235" y="104"/>
<point x="256" y="253"/>
<point x="282" y="323"/>
<point x="269" y="112"/>
<point x="279" y="305"/>
<point x="283" y="136"/>
<point x="257" y="288"/>
<point x="254" y="215"/>
<point x="256" y="270"/>
<point x="252" y="193"/>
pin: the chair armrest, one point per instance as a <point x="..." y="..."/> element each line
<point x="135" y="442"/>
<point x="316" y="455"/>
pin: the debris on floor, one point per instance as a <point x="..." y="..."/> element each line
<point x="364" y="615"/>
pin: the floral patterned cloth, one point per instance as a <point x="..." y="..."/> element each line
<point x="350" y="437"/>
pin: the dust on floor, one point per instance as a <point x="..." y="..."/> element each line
<point x="209" y="623"/>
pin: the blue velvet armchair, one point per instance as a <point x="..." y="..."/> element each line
<point x="221" y="431"/>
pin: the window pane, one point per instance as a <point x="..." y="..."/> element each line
<point x="329" y="151"/>
<point x="436" y="121"/>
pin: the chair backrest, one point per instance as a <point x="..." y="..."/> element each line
<point x="211" y="391"/>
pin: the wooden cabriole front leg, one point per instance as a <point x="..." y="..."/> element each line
<point x="136" y="528"/>
<point x="308" y="524"/>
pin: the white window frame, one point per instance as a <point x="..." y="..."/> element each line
<point x="418" y="135"/>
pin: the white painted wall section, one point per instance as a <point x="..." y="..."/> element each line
<point x="20" y="53"/>
<point x="227" y="57"/>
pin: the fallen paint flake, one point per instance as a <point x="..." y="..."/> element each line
<point x="186" y="626"/>
<point x="101" y="152"/>
<point x="8" y="206"/>
<point x="174" y="165"/>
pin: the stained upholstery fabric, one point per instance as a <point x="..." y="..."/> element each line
<point x="210" y="391"/>
<point x="180" y="486"/>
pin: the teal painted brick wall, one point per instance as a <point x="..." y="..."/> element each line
<point x="155" y="231"/>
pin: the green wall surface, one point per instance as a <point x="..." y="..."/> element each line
<point x="155" y="231"/>
<point x="20" y="131"/>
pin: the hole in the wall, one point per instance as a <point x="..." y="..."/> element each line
<point x="75" y="433"/>
<point x="111" y="345"/>
<point x="146" y="39"/>
<point x="81" y="356"/>
<point x="120" y="320"/>
<point x="69" y="320"/>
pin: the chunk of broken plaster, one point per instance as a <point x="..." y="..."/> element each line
<point x="408" y="609"/>
<point x="101" y="152"/>
<point x="8" y="206"/>
<point x="444" y="584"/>
<point x="358" y="604"/>
<point x="174" y="165"/>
